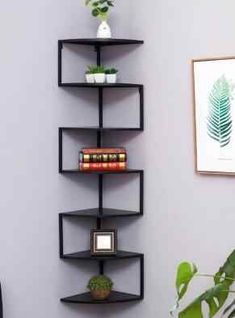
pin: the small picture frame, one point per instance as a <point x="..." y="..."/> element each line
<point x="103" y="242"/>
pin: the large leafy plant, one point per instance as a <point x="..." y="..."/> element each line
<point x="215" y="297"/>
<point x="219" y="121"/>
<point x="100" y="8"/>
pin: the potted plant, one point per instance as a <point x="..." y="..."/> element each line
<point x="214" y="298"/>
<point x="90" y="74"/>
<point x="111" y="75"/>
<point x="100" y="9"/>
<point x="100" y="287"/>
<point x="99" y="74"/>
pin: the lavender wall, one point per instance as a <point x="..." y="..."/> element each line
<point x="187" y="216"/>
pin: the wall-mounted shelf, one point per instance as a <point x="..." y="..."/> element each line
<point x="115" y="297"/>
<point x="100" y="213"/>
<point x="100" y="42"/>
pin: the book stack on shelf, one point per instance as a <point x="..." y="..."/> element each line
<point x="96" y="159"/>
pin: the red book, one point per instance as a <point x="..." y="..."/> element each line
<point x="103" y="150"/>
<point x="109" y="166"/>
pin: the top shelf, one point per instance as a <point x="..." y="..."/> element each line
<point x="101" y="42"/>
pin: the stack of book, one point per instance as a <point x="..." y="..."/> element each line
<point x="96" y="159"/>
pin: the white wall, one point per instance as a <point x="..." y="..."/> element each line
<point x="187" y="216"/>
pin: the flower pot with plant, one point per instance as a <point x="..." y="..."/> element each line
<point x="111" y="75"/>
<point x="100" y="287"/>
<point x="99" y="74"/>
<point x="210" y="302"/>
<point x="100" y="9"/>
<point x="90" y="74"/>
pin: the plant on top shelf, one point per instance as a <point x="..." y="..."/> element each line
<point x="100" y="9"/>
<point x="100" y="287"/>
<point x="95" y="74"/>
<point x="111" y="75"/>
<point x="214" y="297"/>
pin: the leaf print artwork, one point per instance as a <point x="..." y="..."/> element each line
<point x="219" y="120"/>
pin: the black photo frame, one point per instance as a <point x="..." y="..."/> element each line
<point x="103" y="242"/>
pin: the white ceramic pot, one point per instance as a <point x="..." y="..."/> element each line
<point x="111" y="78"/>
<point x="90" y="78"/>
<point x="99" y="77"/>
<point x="104" y="30"/>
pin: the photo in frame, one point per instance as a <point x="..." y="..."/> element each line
<point x="103" y="242"/>
<point x="214" y="115"/>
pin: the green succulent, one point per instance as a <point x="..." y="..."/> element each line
<point x="100" y="8"/>
<point x="95" y="69"/>
<point x="100" y="282"/>
<point x="111" y="71"/>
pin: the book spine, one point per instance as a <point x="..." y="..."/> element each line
<point x="103" y="157"/>
<point x="103" y="166"/>
<point x="103" y="150"/>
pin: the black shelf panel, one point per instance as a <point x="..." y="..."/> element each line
<point x="86" y="255"/>
<point x="126" y="171"/>
<point x="115" y="297"/>
<point x="103" y="85"/>
<point x="101" y="42"/>
<point x="101" y="213"/>
<point x="102" y="129"/>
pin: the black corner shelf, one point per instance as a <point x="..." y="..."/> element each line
<point x="103" y="213"/>
<point x="115" y="297"/>
<point x="124" y="171"/>
<point x="101" y="85"/>
<point x="86" y="255"/>
<point x="100" y="213"/>
<point x="101" y="42"/>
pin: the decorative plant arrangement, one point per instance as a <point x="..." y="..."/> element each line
<point x="100" y="287"/>
<point x="100" y="9"/>
<point x="111" y="75"/>
<point x="98" y="74"/>
<point x="215" y="297"/>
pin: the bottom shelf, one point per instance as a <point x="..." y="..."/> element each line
<point x="115" y="297"/>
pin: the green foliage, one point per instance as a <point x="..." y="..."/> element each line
<point x="215" y="297"/>
<point x="100" y="282"/>
<point x="219" y="121"/>
<point x="95" y="69"/>
<point x="111" y="71"/>
<point x="100" y="8"/>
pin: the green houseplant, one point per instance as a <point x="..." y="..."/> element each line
<point x="111" y="75"/>
<point x="100" y="9"/>
<point x="99" y="73"/>
<point x="215" y="297"/>
<point x="90" y="74"/>
<point x="100" y="287"/>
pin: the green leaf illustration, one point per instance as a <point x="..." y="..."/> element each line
<point x="219" y="121"/>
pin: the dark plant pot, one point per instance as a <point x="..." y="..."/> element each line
<point x="100" y="294"/>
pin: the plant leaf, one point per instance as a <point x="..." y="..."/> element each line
<point x="87" y="2"/>
<point x="95" y="12"/>
<point x="216" y="296"/>
<point x="219" y="121"/>
<point x="185" y="273"/>
<point x="104" y="9"/>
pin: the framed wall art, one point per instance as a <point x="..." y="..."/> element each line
<point x="214" y="115"/>
<point x="103" y="242"/>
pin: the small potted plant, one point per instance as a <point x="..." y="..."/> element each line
<point x="111" y="75"/>
<point x="90" y="74"/>
<point x="100" y="287"/>
<point x="99" y="74"/>
<point x="100" y="9"/>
